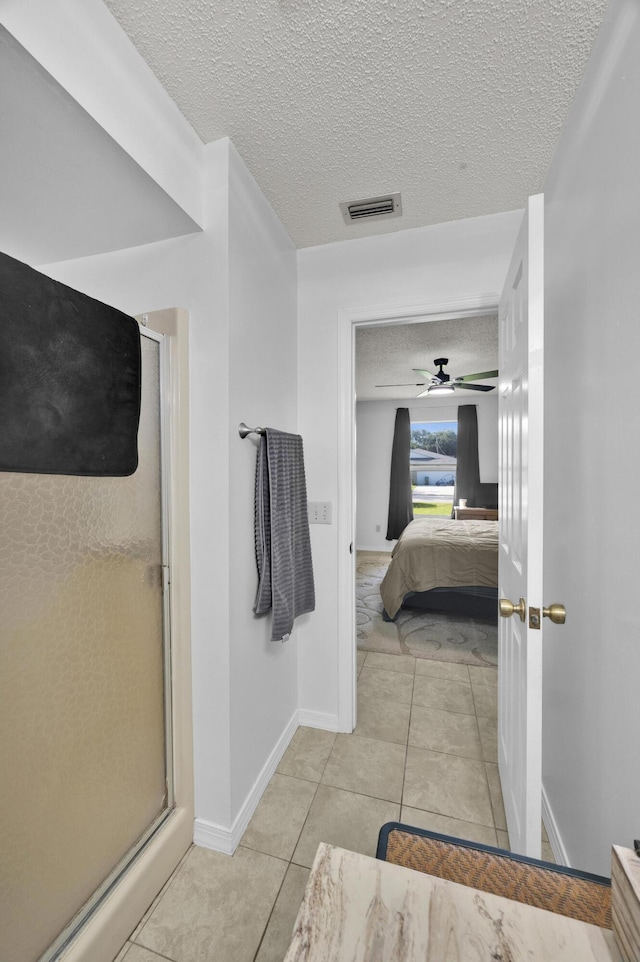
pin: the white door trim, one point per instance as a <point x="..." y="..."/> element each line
<point x="348" y="320"/>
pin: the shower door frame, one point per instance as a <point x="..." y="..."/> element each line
<point x="111" y="914"/>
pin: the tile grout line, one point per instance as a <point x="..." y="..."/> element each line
<point x="155" y="904"/>
<point x="493" y="808"/>
<point x="482" y="751"/>
<point x="349" y="791"/>
<point x="481" y="759"/>
<point x="396" y="671"/>
<point x="165" y="958"/>
<point x="484" y="764"/>
<point x="452" y="711"/>
<point x="306" y="818"/>
<point x="406" y="749"/>
<point x="273" y="908"/>
<point x="290" y="861"/>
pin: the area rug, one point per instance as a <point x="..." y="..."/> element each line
<point x="437" y="635"/>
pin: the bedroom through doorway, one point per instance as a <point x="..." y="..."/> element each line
<point x="433" y="371"/>
<point x="427" y="678"/>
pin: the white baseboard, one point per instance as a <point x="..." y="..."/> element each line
<point x="555" y="840"/>
<point x="220" y="839"/>
<point x="318" y="719"/>
<point x="216" y="837"/>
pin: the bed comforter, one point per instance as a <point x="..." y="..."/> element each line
<point x="441" y="554"/>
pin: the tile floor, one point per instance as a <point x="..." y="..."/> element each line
<point x="424" y="753"/>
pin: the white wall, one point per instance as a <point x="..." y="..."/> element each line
<point x="191" y="272"/>
<point x="592" y="292"/>
<point x="401" y="270"/>
<point x="238" y="280"/>
<point x="262" y="391"/>
<point x="88" y="53"/>
<point x="375" y="422"/>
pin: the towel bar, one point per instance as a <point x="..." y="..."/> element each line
<point x="244" y="430"/>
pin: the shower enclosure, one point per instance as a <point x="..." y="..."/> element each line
<point x="85" y="706"/>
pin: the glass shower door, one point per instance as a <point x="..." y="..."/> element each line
<point x="84" y="713"/>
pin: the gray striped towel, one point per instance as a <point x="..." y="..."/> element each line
<point x="283" y="545"/>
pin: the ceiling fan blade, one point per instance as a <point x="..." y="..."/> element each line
<point x="474" y="387"/>
<point x="412" y="384"/>
<point x="478" y="377"/>
<point x="422" y="373"/>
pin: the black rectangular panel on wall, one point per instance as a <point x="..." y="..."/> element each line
<point x="69" y="379"/>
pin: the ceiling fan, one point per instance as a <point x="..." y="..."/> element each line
<point x="441" y="382"/>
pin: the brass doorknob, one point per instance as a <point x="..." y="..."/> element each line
<point x="555" y="613"/>
<point x="507" y="608"/>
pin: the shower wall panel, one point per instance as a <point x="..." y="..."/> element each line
<point x="82" y="714"/>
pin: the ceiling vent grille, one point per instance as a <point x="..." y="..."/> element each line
<point x="372" y="207"/>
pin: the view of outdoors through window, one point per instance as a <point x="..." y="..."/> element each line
<point x="433" y="466"/>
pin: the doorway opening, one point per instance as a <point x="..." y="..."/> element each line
<point x="423" y="692"/>
<point x="394" y="324"/>
<point x="438" y="611"/>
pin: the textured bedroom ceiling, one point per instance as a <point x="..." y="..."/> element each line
<point x="457" y="104"/>
<point x="388" y="354"/>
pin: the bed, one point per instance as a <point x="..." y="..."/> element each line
<point x="443" y="565"/>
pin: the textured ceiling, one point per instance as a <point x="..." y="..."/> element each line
<point x="458" y="104"/>
<point x="388" y="354"/>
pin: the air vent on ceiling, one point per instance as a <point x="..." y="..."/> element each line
<point x="358" y="210"/>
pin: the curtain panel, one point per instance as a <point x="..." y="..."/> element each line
<point x="400" y="495"/>
<point x="468" y="483"/>
<point x="468" y="464"/>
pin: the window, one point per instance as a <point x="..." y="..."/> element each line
<point x="433" y="466"/>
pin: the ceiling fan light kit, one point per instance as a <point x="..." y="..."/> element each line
<point x="438" y="389"/>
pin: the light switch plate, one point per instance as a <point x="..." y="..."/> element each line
<point x="319" y="512"/>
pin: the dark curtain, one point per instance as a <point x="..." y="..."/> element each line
<point x="400" y="499"/>
<point x="468" y="466"/>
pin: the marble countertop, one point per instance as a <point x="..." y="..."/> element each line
<point x="360" y="909"/>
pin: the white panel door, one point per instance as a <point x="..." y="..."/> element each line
<point x="520" y="552"/>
